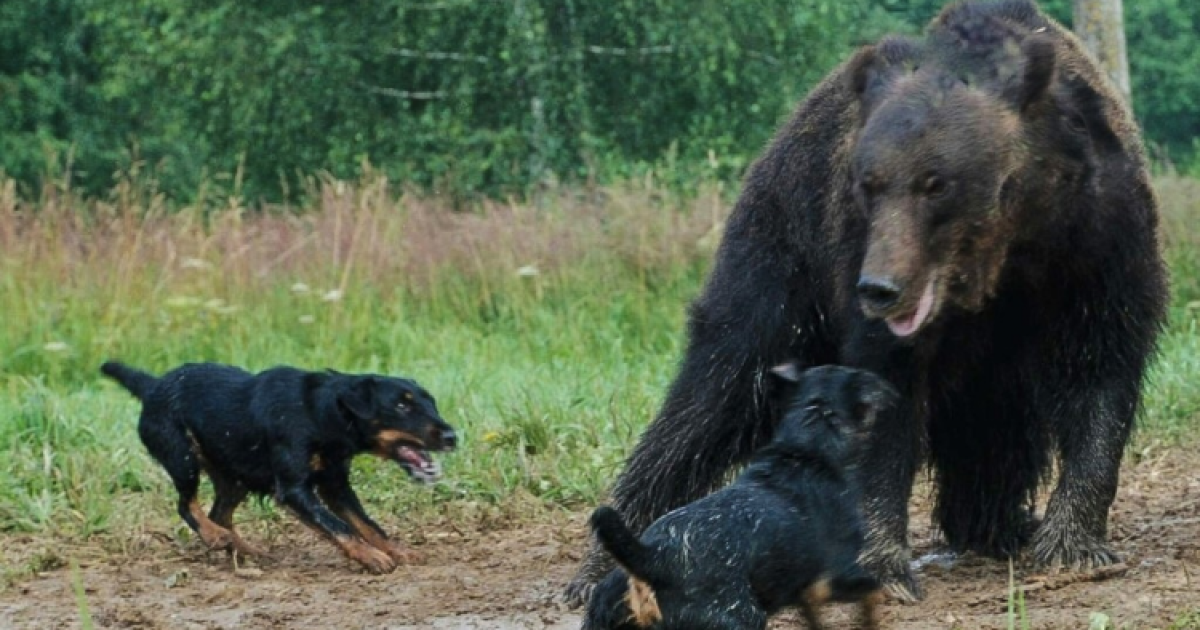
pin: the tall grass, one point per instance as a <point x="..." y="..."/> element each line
<point x="547" y="330"/>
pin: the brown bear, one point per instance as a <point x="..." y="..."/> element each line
<point x="969" y="214"/>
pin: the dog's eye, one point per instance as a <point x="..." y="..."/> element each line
<point x="408" y="396"/>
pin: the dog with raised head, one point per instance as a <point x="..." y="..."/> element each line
<point x="288" y="433"/>
<point x="786" y="533"/>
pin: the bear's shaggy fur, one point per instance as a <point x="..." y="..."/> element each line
<point x="968" y="214"/>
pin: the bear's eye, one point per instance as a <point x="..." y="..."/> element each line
<point x="869" y="186"/>
<point x="1076" y="123"/>
<point x="932" y="185"/>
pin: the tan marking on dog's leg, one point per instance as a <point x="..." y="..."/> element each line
<point x="395" y="549"/>
<point x="356" y="549"/>
<point x="643" y="604"/>
<point x="229" y="496"/>
<point x="238" y="543"/>
<point x="373" y="559"/>
<point x="213" y="535"/>
<point x="315" y="463"/>
<point x="816" y="595"/>
<point x="811" y="617"/>
<point x="869" y="609"/>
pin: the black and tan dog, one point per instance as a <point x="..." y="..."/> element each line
<point x="787" y="532"/>
<point x="287" y="433"/>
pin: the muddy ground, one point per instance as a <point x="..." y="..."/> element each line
<point x="510" y="577"/>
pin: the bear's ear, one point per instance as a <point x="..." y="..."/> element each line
<point x="860" y="71"/>
<point x="864" y="76"/>
<point x="1037" y="60"/>
<point x="872" y="68"/>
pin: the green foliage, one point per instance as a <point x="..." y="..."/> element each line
<point x="457" y="95"/>
<point x="1164" y="51"/>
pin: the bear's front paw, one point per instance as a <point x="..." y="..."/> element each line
<point x="898" y="580"/>
<point x="595" y="566"/>
<point x="1056" y="547"/>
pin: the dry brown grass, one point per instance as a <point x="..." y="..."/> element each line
<point x="362" y="231"/>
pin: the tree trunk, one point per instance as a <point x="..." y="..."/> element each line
<point x="1101" y="26"/>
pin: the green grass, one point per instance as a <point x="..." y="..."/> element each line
<point x="548" y="375"/>
<point x="547" y="331"/>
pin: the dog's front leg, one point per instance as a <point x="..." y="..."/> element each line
<point x="304" y="503"/>
<point x="339" y="495"/>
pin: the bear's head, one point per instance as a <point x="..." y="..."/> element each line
<point x="966" y="143"/>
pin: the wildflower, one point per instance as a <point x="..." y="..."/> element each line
<point x="491" y="436"/>
<point x="182" y="302"/>
<point x="307" y="319"/>
<point x="334" y="295"/>
<point x="56" y="346"/>
<point x="528" y="271"/>
<point x="300" y="288"/>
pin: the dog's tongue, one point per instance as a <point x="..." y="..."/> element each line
<point x="907" y="325"/>
<point x="418" y="463"/>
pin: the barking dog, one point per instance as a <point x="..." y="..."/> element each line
<point x="786" y="533"/>
<point x="288" y="433"/>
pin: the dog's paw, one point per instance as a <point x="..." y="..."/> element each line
<point x="246" y="549"/>
<point x="373" y="559"/>
<point x="404" y="555"/>
<point x="217" y="538"/>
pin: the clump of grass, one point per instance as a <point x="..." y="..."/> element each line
<point x="1189" y="621"/>
<point x="1017" y="617"/>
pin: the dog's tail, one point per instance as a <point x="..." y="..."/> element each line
<point x="138" y="383"/>
<point x="636" y="558"/>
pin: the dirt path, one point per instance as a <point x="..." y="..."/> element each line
<point x="510" y="579"/>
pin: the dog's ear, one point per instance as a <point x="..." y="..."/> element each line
<point x="359" y="398"/>
<point x="789" y="371"/>
<point x="872" y="395"/>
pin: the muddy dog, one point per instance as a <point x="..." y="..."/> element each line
<point x="288" y="433"/>
<point x="787" y="532"/>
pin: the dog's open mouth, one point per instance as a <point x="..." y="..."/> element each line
<point x="417" y="463"/>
